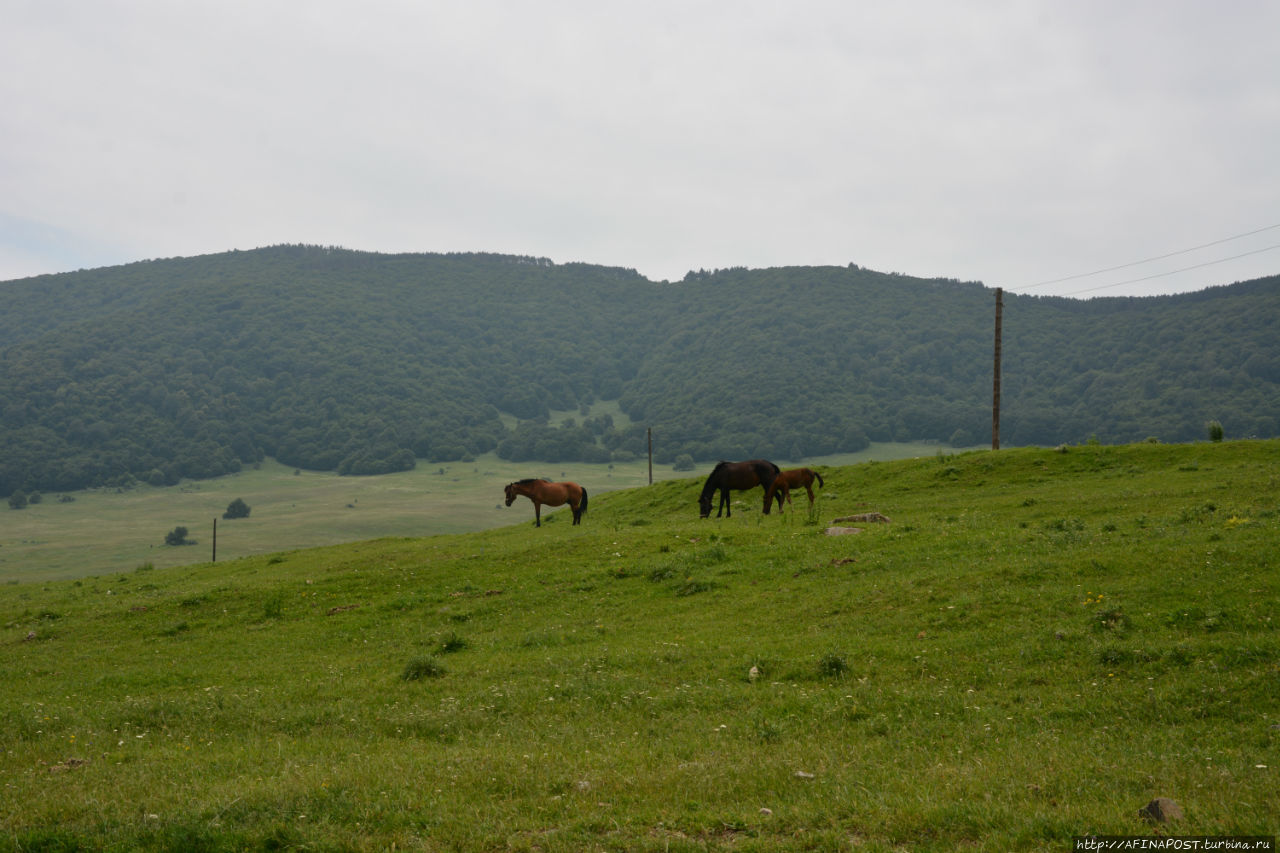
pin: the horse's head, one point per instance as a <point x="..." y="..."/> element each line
<point x="511" y="493"/>
<point x="704" y="505"/>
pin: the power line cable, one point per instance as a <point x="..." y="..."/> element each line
<point x="1172" y="272"/>
<point x="1156" y="258"/>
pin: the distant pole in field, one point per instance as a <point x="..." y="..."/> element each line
<point x="215" y="539"/>
<point x="995" y="382"/>
<point x="649" y="433"/>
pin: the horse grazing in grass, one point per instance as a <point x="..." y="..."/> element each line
<point x="549" y="493"/>
<point x="788" y="480"/>
<point x="737" y="476"/>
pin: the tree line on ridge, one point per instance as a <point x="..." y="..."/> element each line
<point x="364" y="363"/>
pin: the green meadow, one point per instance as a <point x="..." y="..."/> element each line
<point x="1034" y="645"/>
<point x="112" y="530"/>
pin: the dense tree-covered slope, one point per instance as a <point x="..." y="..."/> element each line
<point x="359" y="362"/>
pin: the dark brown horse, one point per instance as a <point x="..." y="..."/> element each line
<point x="549" y="493"/>
<point x="795" y="478"/>
<point x="737" y="476"/>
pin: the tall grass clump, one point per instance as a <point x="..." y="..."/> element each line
<point x="420" y="668"/>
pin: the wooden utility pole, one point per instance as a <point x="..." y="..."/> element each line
<point x="215" y="539"/>
<point x="995" y="382"/>
<point x="649" y="432"/>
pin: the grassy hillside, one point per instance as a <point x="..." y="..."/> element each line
<point x="1035" y="645"/>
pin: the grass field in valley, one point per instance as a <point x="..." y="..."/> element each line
<point x="114" y="530"/>
<point x="1034" y="646"/>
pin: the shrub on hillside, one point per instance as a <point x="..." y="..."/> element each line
<point x="178" y="536"/>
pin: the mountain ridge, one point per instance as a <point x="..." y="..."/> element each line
<point x="360" y="362"/>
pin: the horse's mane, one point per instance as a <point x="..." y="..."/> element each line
<point x="527" y="480"/>
<point x="709" y="487"/>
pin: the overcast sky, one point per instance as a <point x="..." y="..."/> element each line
<point x="1011" y="143"/>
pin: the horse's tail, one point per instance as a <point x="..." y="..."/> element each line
<point x="766" y="471"/>
<point x="818" y="477"/>
<point x="582" y="507"/>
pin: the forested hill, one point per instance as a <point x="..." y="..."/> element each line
<point x="359" y="362"/>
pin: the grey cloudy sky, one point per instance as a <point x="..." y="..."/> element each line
<point x="1005" y="142"/>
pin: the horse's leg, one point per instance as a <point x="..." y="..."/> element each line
<point x="576" y="506"/>
<point x="725" y="506"/>
<point x="809" y="489"/>
<point x="537" y="514"/>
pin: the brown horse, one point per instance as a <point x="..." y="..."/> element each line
<point x="549" y="493"/>
<point x="734" y="475"/>
<point x="788" y="480"/>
